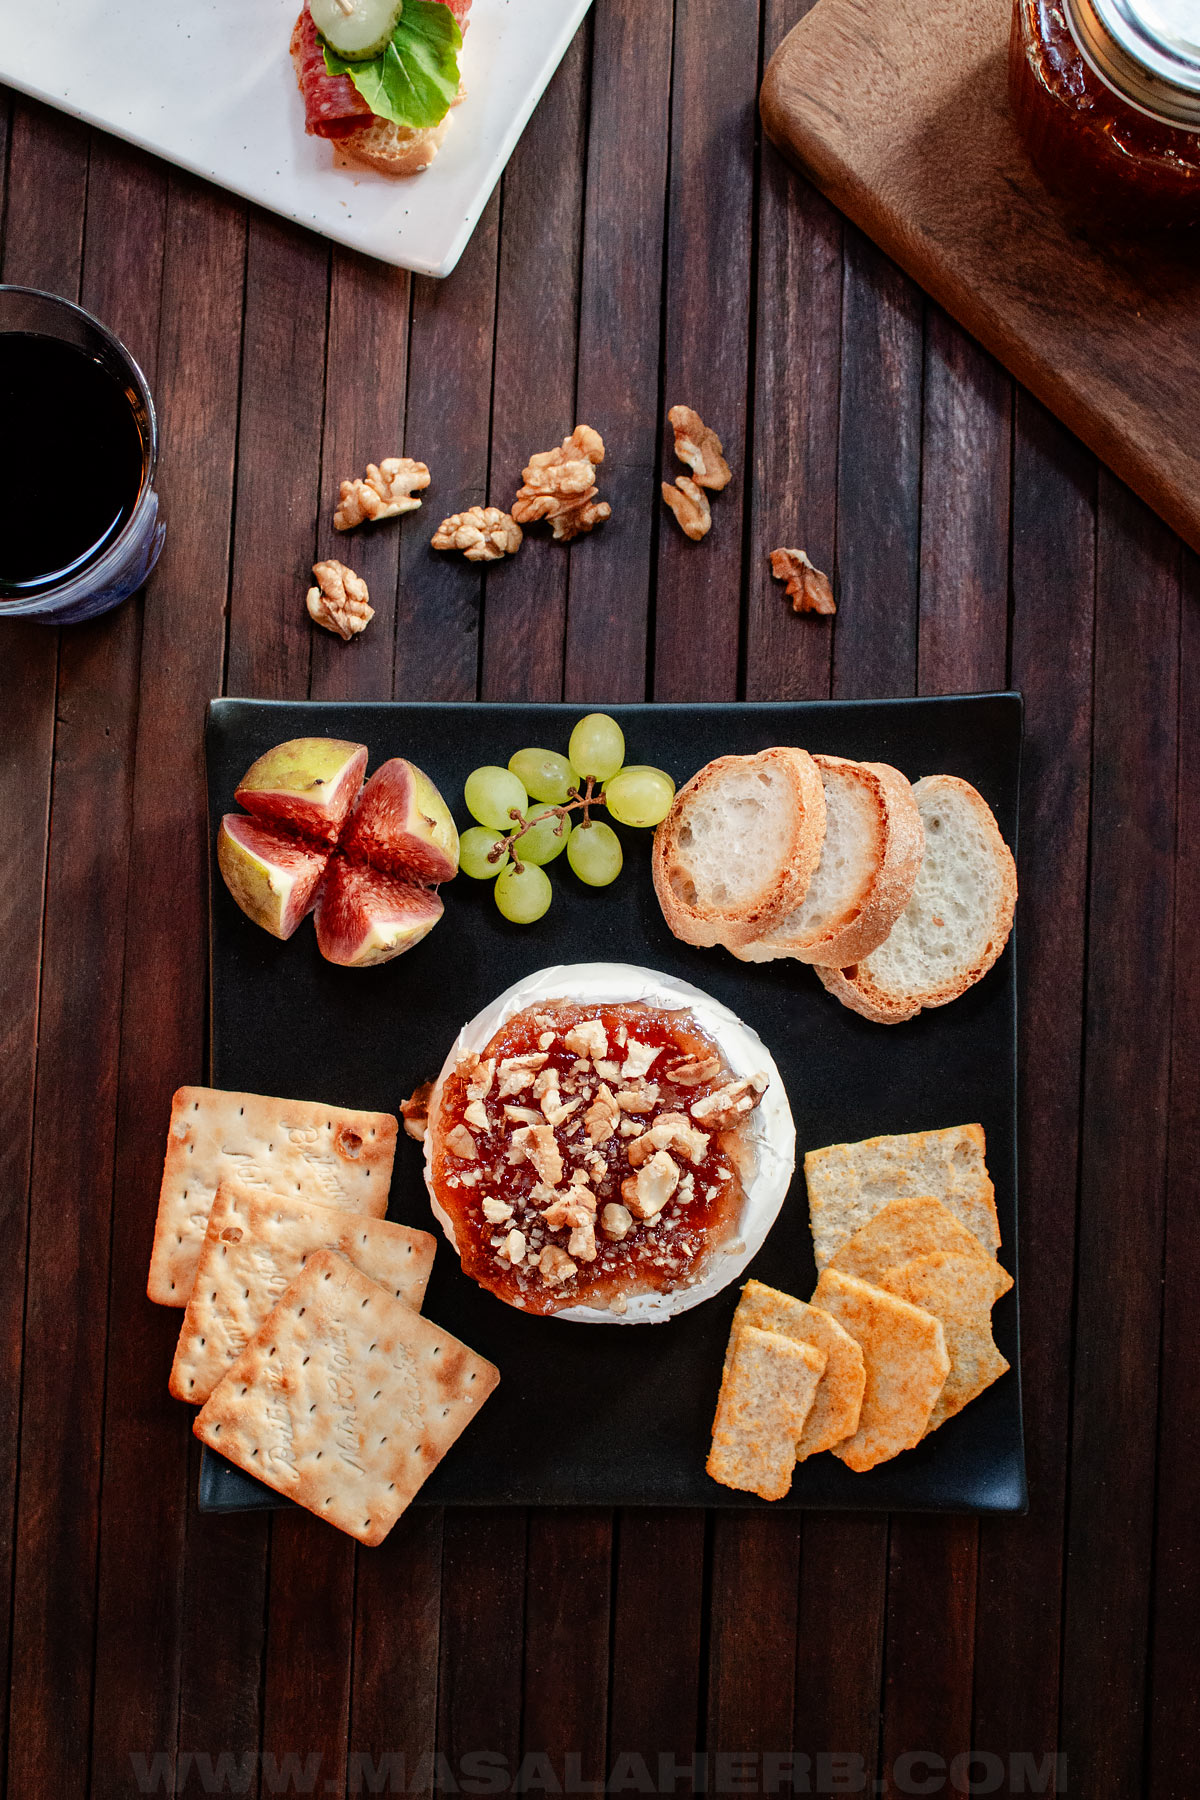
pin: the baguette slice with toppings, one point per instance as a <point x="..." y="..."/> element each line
<point x="739" y="846"/>
<point x="956" y="923"/>
<point x="869" y="861"/>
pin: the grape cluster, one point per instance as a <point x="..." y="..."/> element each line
<point x="512" y="844"/>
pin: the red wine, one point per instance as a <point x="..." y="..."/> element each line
<point x="71" y="461"/>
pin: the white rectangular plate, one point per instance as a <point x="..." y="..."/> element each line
<point x="208" y="84"/>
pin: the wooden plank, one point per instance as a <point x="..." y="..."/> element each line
<point x="793" y="490"/>
<point x="963" y="633"/>
<point x="928" y="1649"/>
<point x="397" y="1626"/>
<point x="310" y="1631"/>
<point x="482" y="1641"/>
<point x="537" y="315"/>
<point x="707" y="334"/>
<point x="1126" y="1067"/>
<point x="565" y="1679"/>
<point x="965" y="472"/>
<point x="142" y="1522"/>
<point x="1175" y="1707"/>
<point x="39" y="253"/>
<point x="66" y="1297"/>
<point x="607" y="604"/>
<point x="450" y="371"/>
<point x="657" y="1644"/>
<point x="839" y="1641"/>
<point x="879" y="459"/>
<point x="366" y="376"/>
<point x="278" y="467"/>
<point x="752" y="1637"/>
<point x="1018" y="1622"/>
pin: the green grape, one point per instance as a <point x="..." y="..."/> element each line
<point x="547" y="775"/>
<point x="490" y="793"/>
<point x="639" y="795"/>
<point x="523" y="898"/>
<point x="597" y="746"/>
<point x="474" y="847"/>
<point x="594" y="852"/>
<point x="543" y="841"/>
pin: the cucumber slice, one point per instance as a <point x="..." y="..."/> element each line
<point x="356" y="30"/>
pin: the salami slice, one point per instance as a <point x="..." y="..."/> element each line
<point x="333" y="106"/>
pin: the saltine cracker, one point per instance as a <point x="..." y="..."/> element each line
<point x="254" y="1246"/>
<point x="906" y="1362"/>
<point x="766" y="1395"/>
<point x="327" y="1154"/>
<point x="838" y="1399"/>
<point x="345" y="1399"/>
<point x="848" y="1183"/>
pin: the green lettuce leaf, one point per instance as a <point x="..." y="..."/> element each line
<point x="415" y="80"/>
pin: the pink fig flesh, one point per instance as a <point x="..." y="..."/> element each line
<point x="402" y="826"/>
<point x="273" y="877"/>
<point x="306" y="785"/>
<point x="365" y="917"/>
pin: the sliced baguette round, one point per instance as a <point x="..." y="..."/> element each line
<point x="739" y="846"/>
<point x="392" y="149"/>
<point x="873" y="846"/>
<point x="956" y="923"/>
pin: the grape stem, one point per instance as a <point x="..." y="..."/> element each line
<point x="587" y="799"/>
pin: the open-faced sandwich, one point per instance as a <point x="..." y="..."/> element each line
<point x="379" y="77"/>
<point x="607" y="1144"/>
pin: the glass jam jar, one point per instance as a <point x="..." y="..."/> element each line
<point x="1106" y="94"/>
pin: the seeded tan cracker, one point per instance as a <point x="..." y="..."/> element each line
<point x="848" y="1183"/>
<point x="326" y="1154"/>
<point x="838" y="1399"/>
<point x="254" y="1246"/>
<point x="767" y="1391"/>
<point x="345" y="1399"/>
<point x="906" y="1363"/>
<point x="904" y="1229"/>
<point x="960" y="1291"/>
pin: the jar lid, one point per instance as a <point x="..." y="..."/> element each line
<point x="1147" y="51"/>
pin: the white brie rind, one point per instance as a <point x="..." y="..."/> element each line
<point x="770" y="1131"/>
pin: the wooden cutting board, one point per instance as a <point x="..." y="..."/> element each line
<point x="898" y="111"/>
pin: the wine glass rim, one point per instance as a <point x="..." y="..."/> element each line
<point x="52" y="601"/>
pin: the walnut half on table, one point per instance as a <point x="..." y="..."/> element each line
<point x="340" y="601"/>
<point x="690" y="505"/>
<point x="388" y="489"/>
<point x="560" y="486"/>
<point x="482" y="533"/>
<point x="809" y="589"/>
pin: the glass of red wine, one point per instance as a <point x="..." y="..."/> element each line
<point x="79" y="521"/>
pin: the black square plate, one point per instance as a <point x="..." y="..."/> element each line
<point x="620" y="1415"/>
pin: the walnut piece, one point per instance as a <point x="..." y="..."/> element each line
<point x="690" y="505"/>
<point x="387" y="490"/>
<point x="670" y="1131"/>
<point x="340" y="602"/>
<point x="415" y="1111"/>
<point x="602" y="1116"/>
<point x="555" y="1265"/>
<point x="727" y="1105"/>
<point x="482" y="533"/>
<point x="616" y="1220"/>
<point x="695" y="1069"/>
<point x="647" y="1192"/>
<point x="697" y="445"/>
<point x="810" y="590"/>
<point x="560" y="485"/>
<point x="460" y="1143"/>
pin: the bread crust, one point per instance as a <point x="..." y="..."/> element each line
<point x="902" y="840"/>
<point x="379" y="144"/>
<point x="706" y="925"/>
<point x="855" y="986"/>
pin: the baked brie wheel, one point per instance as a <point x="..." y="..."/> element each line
<point x="607" y="1145"/>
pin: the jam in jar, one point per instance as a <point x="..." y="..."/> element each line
<point x="1106" y="94"/>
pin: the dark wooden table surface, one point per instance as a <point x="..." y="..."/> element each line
<point x="644" y="249"/>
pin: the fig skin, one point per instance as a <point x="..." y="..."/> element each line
<point x="273" y="877"/>
<point x="402" y="826"/>
<point x="306" y="785"/>
<point x="364" y="917"/>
